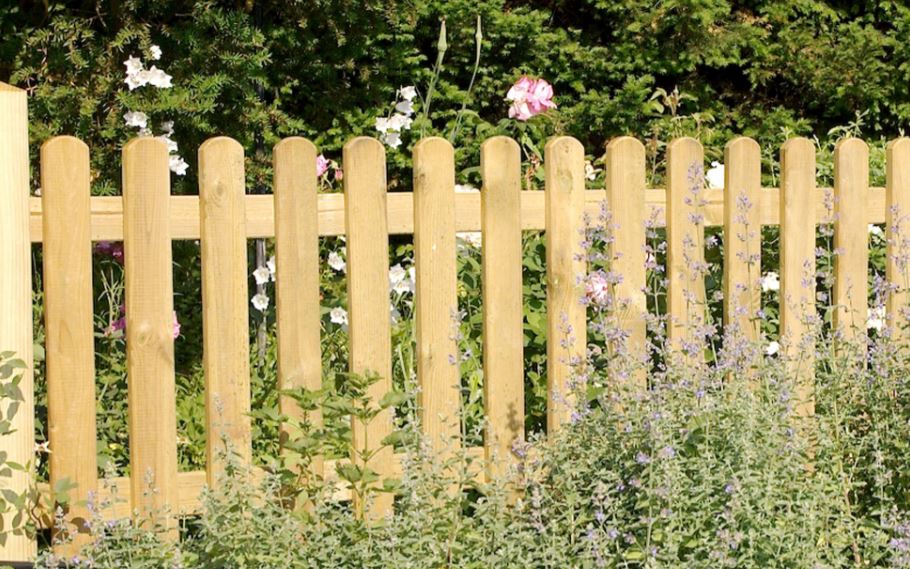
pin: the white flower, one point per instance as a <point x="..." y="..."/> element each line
<point x="407" y="93"/>
<point x="772" y="348"/>
<point x="336" y="262"/>
<point x="339" y="316"/>
<point x="875" y="230"/>
<point x="38" y="192"/>
<point x="382" y="124"/>
<point x="42" y="448"/>
<point x="168" y="128"/>
<point x="469" y="239"/>
<point x="270" y="265"/>
<point x="178" y="165"/>
<point x="260" y="302"/>
<point x="465" y="189"/>
<point x="397" y="274"/>
<point x="770" y="282"/>
<point x="394" y="314"/>
<point x="155" y="52"/>
<point x="262" y="275"/>
<point x="133" y="65"/>
<point x="145" y="132"/>
<point x="715" y="176"/>
<point x="392" y="139"/>
<point x="591" y="171"/>
<point x="876" y="319"/>
<point x="171" y="144"/>
<point x="159" y="78"/>
<point x="406" y="107"/>
<point x="136" y="119"/>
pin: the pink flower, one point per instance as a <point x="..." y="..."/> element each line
<point x="176" y="327"/>
<point x="530" y="97"/>
<point x="339" y="174"/>
<point x="322" y="166"/>
<point x="597" y="288"/>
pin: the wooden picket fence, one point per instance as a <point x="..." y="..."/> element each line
<point x="66" y="220"/>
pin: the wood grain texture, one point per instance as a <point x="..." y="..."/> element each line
<point x="436" y="296"/>
<point x="69" y="328"/>
<point x="149" y="328"/>
<point x="297" y="280"/>
<point x="685" y="239"/>
<point x="897" y="217"/>
<point x="851" y="237"/>
<point x="625" y="187"/>
<point x="368" y="297"/>
<point x="798" y="215"/>
<point x="742" y="237"/>
<point x="564" y="158"/>
<point x="225" y="308"/>
<point x="16" y="295"/>
<point x="503" y="345"/>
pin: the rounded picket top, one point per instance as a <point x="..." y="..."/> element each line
<point x="851" y="145"/>
<point x="296" y="152"/>
<point x="567" y="144"/>
<point x="742" y="144"/>
<point x="626" y="145"/>
<point x="433" y="144"/>
<point x="363" y="144"/>
<point x="143" y="144"/>
<point x="499" y="145"/>
<point x="799" y="144"/>
<point x="684" y="143"/>
<point x="899" y="145"/>
<point x="64" y="143"/>
<point x="220" y="144"/>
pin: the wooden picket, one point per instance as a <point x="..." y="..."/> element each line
<point x="685" y="239"/>
<point x="69" y="321"/>
<point x="16" y="333"/>
<point x="798" y="209"/>
<point x="368" y="303"/>
<point x="503" y="342"/>
<point x="149" y="329"/>
<point x="225" y="316"/>
<point x="742" y="237"/>
<point x="851" y="267"/>
<point x="297" y="282"/>
<point x="566" y="317"/>
<point x="625" y="186"/>
<point x="897" y="212"/>
<point x="436" y="296"/>
<point x="66" y="219"/>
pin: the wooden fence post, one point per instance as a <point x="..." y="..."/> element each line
<point x="742" y="236"/>
<point x="797" y="265"/>
<point x="297" y="281"/>
<point x="366" y="224"/>
<point x="564" y="161"/>
<point x="685" y="241"/>
<point x="149" y="329"/>
<point x="437" y="295"/>
<point x="70" y="327"/>
<point x="625" y="186"/>
<point x="503" y="327"/>
<point x="897" y="216"/>
<point x="851" y="239"/>
<point x="16" y="295"/>
<point x="225" y="312"/>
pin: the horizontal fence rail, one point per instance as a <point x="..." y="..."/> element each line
<point x="107" y="212"/>
<point x="66" y="220"/>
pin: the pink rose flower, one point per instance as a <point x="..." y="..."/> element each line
<point x="322" y="166"/>
<point x="530" y="97"/>
<point x="597" y="288"/>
